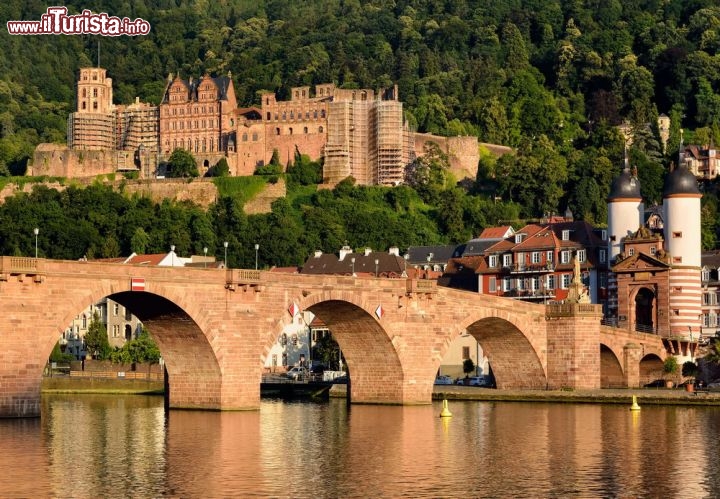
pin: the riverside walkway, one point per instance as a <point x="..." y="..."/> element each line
<point x="647" y="396"/>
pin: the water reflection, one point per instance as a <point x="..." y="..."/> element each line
<point x="110" y="446"/>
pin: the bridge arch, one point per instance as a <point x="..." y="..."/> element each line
<point x="651" y="368"/>
<point x="376" y="370"/>
<point x="173" y="322"/>
<point x="611" y="371"/>
<point x="513" y="357"/>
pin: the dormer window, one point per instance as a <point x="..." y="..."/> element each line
<point x="565" y="235"/>
<point x="705" y="274"/>
<point x="603" y="235"/>
<point x="519" y="238"/>
<point x="507" y="260"/>
<point x="493" y="261"/>
<point x="581" y="256"/>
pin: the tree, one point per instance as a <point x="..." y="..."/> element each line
<point x="96" y="339"/>
<point x="220" y="169"/>
<point x="139" y="241"/>
<point x="468" y="366"/>
<point x="327" y="350"/>
<point x="182" y="164"/>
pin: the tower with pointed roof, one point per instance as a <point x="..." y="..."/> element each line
<point x="681" y="208"/>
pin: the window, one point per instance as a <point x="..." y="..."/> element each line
<point x="536" y="257"/>
<point x="116" y="309"/>
<point x="653" y="250"/>
<point x="565" y="281"/>
<point x="519" y="238"/>
<point x="465" y="353"/>
<point x="506" y="284"/>
<point x="521" y="284"/>
<point x="492" y="285"/>
<point x="507" y="260"/>
<point x="677" y="259"/>
<point x="603" y="255"/>
<point x="255" y="137"/>
<point x="631" y="251"/>
<point x="492" y="261"/>
<point x="677" y="234"/>
<point x="84" y="322"/>
<point x="128" y="315"/>
<point x="581" y="255"/>
<point x="564" y="257"/>
<point x="705" y="274"/>
<point x="535" y="283"/>
<point x="706" y="298"/>
<point x="549" y="257"/>
<point x="565" y="235"/>
<point x="550" y="281"/>
<point x="603" y="235"/>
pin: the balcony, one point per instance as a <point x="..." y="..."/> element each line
<point x="530" y="295"/>
<point x="534" y="268"/>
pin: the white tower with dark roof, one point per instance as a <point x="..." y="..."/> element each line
<point x="681" y="209"/>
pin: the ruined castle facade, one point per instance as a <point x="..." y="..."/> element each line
<point x="358" y="133"/>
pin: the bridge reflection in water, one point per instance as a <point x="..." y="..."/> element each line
<point x="109" y="446"/>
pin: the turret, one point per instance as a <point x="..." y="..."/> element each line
<point x="625" y="209"/>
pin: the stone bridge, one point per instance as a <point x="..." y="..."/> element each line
<point x="215" y="327"/>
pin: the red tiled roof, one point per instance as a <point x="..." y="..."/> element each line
<point x="146" y="259"/>
<point x="494" y="232"/>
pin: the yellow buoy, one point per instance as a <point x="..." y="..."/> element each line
<point x="445" y="413"/>
<point x="634" y="406"/>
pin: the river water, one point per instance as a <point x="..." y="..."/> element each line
<point x="126" y="446"/>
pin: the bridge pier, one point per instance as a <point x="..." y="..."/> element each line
<point x="632" y="354"/>
<point x="573" y="335"/>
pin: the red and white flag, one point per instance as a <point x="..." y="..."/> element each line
<point x="137" y="284"/>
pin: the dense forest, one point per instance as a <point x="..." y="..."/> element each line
<point x="551" y="78"/>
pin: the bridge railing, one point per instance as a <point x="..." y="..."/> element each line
<point x="421" y="286"/>
<point x="662" y="332"/>
<point x="18" y="264"/>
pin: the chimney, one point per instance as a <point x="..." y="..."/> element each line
<point x="394" y="250"/>
<point x="344" y="251"/>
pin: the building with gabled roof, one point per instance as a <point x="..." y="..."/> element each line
<point x="533" y="263"/>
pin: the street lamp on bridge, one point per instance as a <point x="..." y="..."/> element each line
<point x="205" y="257"/>
<point x="352" y="260"/>
<point x="257" y="247"/>
<point x="225" y="244"/>
<point x="377" y="263"/>
<point x="36" y="231"/>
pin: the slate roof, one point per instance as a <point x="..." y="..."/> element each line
<point x="440" y="254"/>
<point x="221" y="82"/>
<point x="325" y="263"/>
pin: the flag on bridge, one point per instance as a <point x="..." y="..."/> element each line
<point x="137" y="284"/>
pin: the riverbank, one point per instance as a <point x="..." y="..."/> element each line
<point x="644" y="396"/>
<point x="67" y="384"/>
<point x="647" y="396"/>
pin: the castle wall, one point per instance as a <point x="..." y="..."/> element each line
<point x="462" y="152"/>
<point x="59" y="161"/>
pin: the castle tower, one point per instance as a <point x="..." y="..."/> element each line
<point x="681" y="207"/>
<point x="94" y="91"/>
<point x="625" y="215"/>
